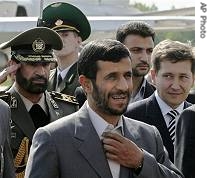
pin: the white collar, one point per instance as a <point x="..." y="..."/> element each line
<point x="166" y="108"/>
<point x="63" y="72"/>
<point x="99" y="123"/>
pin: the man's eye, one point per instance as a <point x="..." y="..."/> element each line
<point x="167" y="76"/>
<point x="135" y="50"/>
<point x="149" y="51"/>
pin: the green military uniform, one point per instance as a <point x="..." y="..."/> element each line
<point x="33" y="46"/>
<point x="62" y="16"/>
<point x="68" y="84"/>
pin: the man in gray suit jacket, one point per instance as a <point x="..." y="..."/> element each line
<point x="98" y="141"/>
<point x="6" y="160"/>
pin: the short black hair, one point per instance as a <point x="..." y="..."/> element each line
<point x="134" y="27"/>
<point x="103" y="50"/>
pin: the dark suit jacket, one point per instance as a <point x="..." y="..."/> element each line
<point x="184" y="153"/>
<point x="6" y="160"/>
<point x="149" y="89"/>
<point x="68" y="84"/>
<point x="71" y="148"/>
<point x="148" y="111"/>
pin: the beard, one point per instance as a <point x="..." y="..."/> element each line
<point x="102" y="103"/>
<point x="29" y="85"/>
<point x="140" y="73"/>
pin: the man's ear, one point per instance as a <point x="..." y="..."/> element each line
<point x="85" y="83"/>
<point x="79" y="40"/>
<point x="153" y="76"/>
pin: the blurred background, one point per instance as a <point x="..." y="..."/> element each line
<point x="173" y="19"/>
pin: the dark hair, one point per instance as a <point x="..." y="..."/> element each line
<point x="135" y="27"/>
<point x="103" y="50"/>
<point x="173" y="51"/>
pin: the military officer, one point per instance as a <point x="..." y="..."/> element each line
<point x="31" y="105"/>
<point x="73" y="27"/>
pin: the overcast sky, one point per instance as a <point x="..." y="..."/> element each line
<point x="167" y="4"/>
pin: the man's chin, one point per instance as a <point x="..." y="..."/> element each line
<point x="37" y="89"/>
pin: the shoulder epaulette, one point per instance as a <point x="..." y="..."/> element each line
<point x="9" y="99"/>
<point x="5" y="96"/>
<point x="64" y="97"/>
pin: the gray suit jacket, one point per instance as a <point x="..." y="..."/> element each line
<point x="71" y="148"/>
<point x="6" y="160"/>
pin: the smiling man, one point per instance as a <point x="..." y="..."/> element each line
<point x="98" y="141"/>
<point x="173" y="72"/>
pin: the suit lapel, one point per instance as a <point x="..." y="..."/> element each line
<point x="21" y="117"/>
<point x="154" y="116"/>
<point x="69" y="78"/>
<point x="135" y="137"/>
<point x="149" y="90"/>
<point x="89" y="144"/>
<point x="52" y="80"/>
<point x="54" y="111"/>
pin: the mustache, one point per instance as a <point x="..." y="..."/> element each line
<point x="142" y="63"/>
<point x="39" y="77"/>
<point x="120" y="92"/>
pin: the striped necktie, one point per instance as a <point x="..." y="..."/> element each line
<point x="172" y="123"/>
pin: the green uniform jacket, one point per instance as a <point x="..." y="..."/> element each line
<point x="69" y="83"/>
<point x="59" y="105"/>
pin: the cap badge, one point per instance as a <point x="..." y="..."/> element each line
<point x="38" y="45"/>
<point x="59" y="22"/>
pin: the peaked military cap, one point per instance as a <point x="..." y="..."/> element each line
<point x="34" y="45"/>
<point x="61" y="16"/>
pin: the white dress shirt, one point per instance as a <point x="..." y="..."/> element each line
<point x="101" y="126"/>
<point x="166" y="108"/>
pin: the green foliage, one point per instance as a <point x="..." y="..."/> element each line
<point x="183" y="36"/>
<point x="144" y="8"/>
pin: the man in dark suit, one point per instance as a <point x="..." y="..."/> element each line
<point x="184" y="148"/>
<point x="98" y="141"/>
<point x="138" y="37"/>
<point x="73" y="27"/>
<point x="173" y="68"/>
<point x="31" y="105"/>
<point x="6" y="161"/>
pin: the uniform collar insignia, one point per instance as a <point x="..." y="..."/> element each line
<point x="13" y="102"/>
<point x="54" y="104"/>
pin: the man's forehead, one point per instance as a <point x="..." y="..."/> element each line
<point x="109" y="66"/>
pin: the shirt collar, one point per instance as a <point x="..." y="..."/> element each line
<point x="166" y="108"/>
<point x="100" y="124"/>
<point x="63" y="72"/>
<point x="140" y="94"/>
<point x="29" y="104"/>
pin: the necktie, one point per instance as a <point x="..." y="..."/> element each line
<point x="172" y="123"/>
<point x="59" y="80"/>
<point x="38" y="116"/>
<point x="114" y="166"/>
